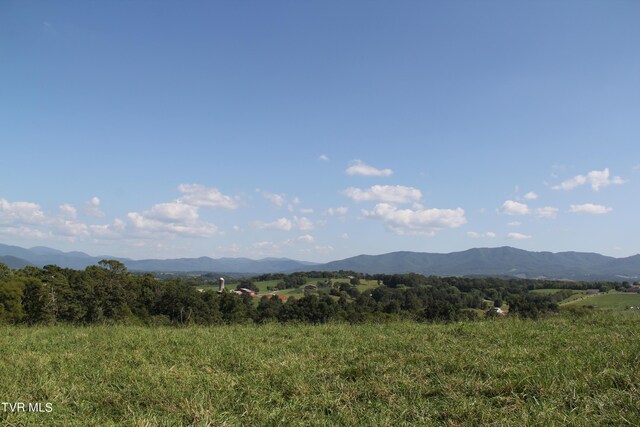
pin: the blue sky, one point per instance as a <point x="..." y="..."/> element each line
<point x="319" y="130"/>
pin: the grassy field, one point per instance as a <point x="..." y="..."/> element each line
<point x="559" y="371"/>
<point x="611" y="300"/>
<point x="553" y="291"/>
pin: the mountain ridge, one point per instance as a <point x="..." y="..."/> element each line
<point x="499" y="261"/>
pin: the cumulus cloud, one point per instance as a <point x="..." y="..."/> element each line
<point x="423" y="222"/>
<point x="276" y="199"/>
<point x="384" y="193"/>
<point x="23" y="231"/>
<point x="511" y="207"/>
<point x="283" y="224"/>
<point x="21" y="212"/>
<point x="590" y="208"/>
<point x="26" y="219"/>
<point x="306" y="238"/>
<point x="357" y="167"/>
<point x="547" y="212"/>
<point x="201" y="196"/>
<point x="92" y="208"/>
<point x="518" y="236"/>
<point x="286" y="224"/>
<point x="514" y="224"/>
<point x="323" y="157"/>
<point x="597" y="180"/>
<point x="108" y="231"/>
<point x="175" y="218"/>
<point x="172" y="212"/>
<point x="531" y="196"/>
<point x="69" y="211"/>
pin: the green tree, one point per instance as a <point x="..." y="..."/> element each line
<point x="38" y="302"/>
<point x="11" y="292"/>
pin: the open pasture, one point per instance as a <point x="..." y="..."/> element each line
<point x="563" y="370"/>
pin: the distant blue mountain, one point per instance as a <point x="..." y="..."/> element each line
<point x="41" y="256"/>
<point x="503" y="261"/>
<point x="14" y="262"/>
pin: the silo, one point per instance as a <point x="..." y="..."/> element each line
<point x="220" y="284"/>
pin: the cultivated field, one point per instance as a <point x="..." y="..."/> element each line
<point x="564" y="370"/>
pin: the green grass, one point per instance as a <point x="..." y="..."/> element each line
<point x="558" y="371"/>
<point x="611" y="300"/>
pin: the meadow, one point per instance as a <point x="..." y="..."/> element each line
<point x="569" y="369"/>
<point x="611" y="300"/>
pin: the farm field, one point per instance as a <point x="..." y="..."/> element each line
<point x="554" y="291"/>
<point x="562" y="370"/>
<point x="611" y="300"/>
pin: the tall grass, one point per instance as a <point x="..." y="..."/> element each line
<point x="561" y="371"/>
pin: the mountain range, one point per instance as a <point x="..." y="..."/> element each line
<point x="503" y="261"/>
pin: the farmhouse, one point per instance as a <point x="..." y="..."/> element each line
<point x="247" y="291"/>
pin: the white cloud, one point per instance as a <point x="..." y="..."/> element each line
<point x="590" y="208"/>
<point x="174" y="218"/>
<point x="531" y="196"/>
<point x="306" y="238"/>
<point x="172" y="211"/>
<point x="597" y="180"/>
<point x="514" y="224"/>
<point x="518" y="236"/>
<point x="306" y="211"/>
<point x="547" y="212"/>
<point x="23" y="231"/>
<point x="92" y="208"/>
<point x="286" y="224"/>
<point x="69" y="211"/>
<point x="108" y="231"/>
<point x="283" y="224"/>
<point x="571" y="183"/>
<point x="511" y="207"/>
<point x="276" y="199"/>
<point x="324" y="158"/>
<point x="384" y="193"/>
<point x="358" y="167"/>
<point x="21" y="212"/>
<point x="342" y="210"/>
<point x="345" y="236"/>
<point x="201" y="196"/>
<point x="424" y="222"/>
<point x="303" y="224"/>
<point x="70" y="228"/>
<point x="476" y="235"/>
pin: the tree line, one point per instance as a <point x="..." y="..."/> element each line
<point x="107" y="292"/>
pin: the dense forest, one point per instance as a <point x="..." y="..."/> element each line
<point x="107" y="292"/>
